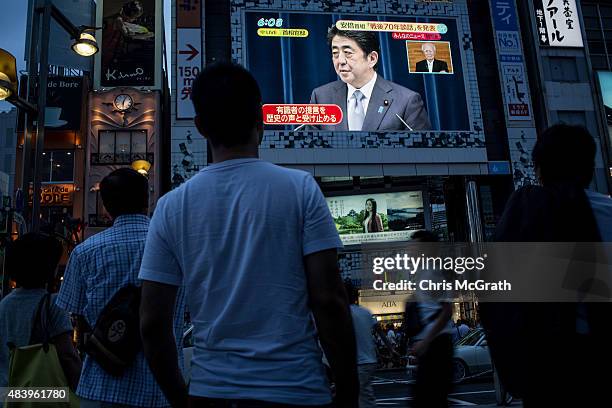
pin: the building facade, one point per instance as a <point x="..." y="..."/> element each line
<point x="500" y="86"/>
<point x="8" y="130"/>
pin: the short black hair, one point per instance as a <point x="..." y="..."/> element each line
<point x="565" y="153"/>
<point x="366" y="40"/>
<point x="227" y="101"/>
<point x="31" y="260"/>
<point x="125" y="191"/>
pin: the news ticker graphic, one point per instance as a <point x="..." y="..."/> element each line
<point x="282" y="32"/>
<point x="389" y="26"/>
<point x="34" y="394"/>
<point x="416" y="36"/>
<point x="301" y="114"/>
<point x="490" y="272"/>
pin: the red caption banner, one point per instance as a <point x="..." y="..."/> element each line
<point x="301" y="114"/>
<point x="417" y="36"/>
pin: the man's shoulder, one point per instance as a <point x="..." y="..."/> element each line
<point x="330" y="87"/>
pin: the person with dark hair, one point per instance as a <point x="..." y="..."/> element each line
<point x="524" y="337"/>
<point x="255" y="246"/>
<point x="31" y="261"/>
<point x="97" y="269"/>
<point x="372" y="221"/>
<point x="368" y="101"/>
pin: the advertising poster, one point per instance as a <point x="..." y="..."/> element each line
<point x="377" y="217"/>
<point x="558" y="23"/>
<point x="129" y="43"/>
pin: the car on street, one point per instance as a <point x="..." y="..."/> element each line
<point x="471" y="356"/>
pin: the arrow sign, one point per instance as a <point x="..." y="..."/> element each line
<point x="192" y="52"/>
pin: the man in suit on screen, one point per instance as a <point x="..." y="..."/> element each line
<point x="430" y="63"/>
<point x="368" y="101"/>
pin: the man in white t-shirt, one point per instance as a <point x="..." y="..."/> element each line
<point x="255" y="247"/>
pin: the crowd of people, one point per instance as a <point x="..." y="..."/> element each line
<point x="250" y="249"/>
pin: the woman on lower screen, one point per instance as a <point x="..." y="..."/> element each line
<point x="372" y="221"/>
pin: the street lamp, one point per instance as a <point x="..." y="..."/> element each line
<point x="85" y="45"/>
<point x="8" y="75"/>
<point x="38" y="67"/>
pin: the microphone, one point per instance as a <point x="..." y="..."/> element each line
<point x="405" y="124"/>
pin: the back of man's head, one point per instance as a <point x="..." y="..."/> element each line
<point x="125" y="191"/>
<point x="565" y="153"/>
<point x="31" y="260"/>
<point x="227" y="102"/>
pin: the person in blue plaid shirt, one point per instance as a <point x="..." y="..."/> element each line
<point x="97" y="269"/>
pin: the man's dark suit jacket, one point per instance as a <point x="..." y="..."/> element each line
<point x="438" y="66"/>
<point x="380" y="116"/>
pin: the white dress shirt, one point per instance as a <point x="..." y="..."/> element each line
<point x="430" y="65"/>
<point x="366" y="90"/>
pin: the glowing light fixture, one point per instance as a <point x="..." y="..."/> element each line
<point x="85" y="45"/>
<point x="141" y="166"/>
<point x="8" y="75"/>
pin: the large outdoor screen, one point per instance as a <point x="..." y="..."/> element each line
<point x="377" y="217"/>
<point x="408" y="71"/>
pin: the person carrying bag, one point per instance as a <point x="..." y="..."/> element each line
<point x="38" y="364"/>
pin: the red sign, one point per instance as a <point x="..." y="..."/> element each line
<point x="518" y="109"/>
<point x="301" y="114"/>
<point x="417" y="36"/>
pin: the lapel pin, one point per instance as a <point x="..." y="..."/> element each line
<point x="386" y="102"/>
<point x="380" y="109"/>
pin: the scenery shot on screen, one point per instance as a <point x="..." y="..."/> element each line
<point x="338" y="72"/>
<point x="377" y="217"/>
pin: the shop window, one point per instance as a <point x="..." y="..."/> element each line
<point x="58" y="166"/>
<point x="121" y="147"/>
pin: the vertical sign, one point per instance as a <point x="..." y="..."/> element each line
<point x="515" y="89"/>
<point x="512" y="67"/>
<point x="132" y="35"/>
<point x="188" y="53"/>
<point x="557" y="22"/>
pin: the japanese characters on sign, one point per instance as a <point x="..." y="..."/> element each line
<point x="504" y="15"/>
<point x="417" y="36"/>
<point x="301" y="114"/>
<point x="188" y="54"/>
<point x="557" y="23"/>
<point x="516" y="91"/>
